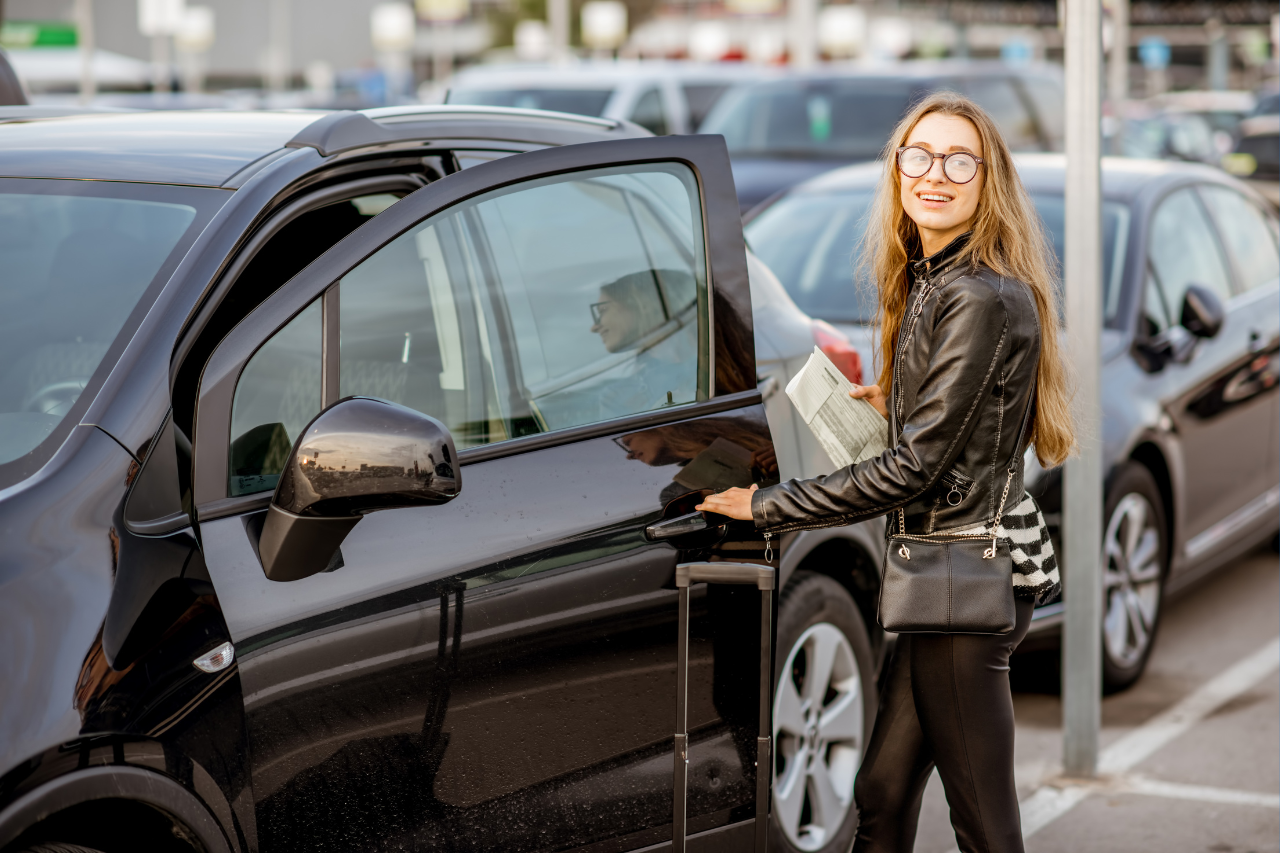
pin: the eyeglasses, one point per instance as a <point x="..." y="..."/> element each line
<point x="960" y="167"/>
<point x="598" y="309"/>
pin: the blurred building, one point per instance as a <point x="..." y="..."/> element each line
<point x="327" y="45"/>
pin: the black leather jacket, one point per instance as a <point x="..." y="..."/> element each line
<point x="964" y="374"/>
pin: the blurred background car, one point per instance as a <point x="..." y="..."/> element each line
<point x="781" y="132"/>
<point x="1191" y="359"/>
<point x="1256" y="157"/>
<point x="662" y="97"/>
<point x="10" y="87"/>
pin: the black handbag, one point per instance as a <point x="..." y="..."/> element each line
<point x="951" y="583"/>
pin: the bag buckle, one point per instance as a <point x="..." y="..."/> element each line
<point x="903" y="552"/>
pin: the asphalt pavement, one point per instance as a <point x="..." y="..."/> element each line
<point x="1190" y="754"/>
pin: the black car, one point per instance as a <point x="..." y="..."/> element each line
<point x="1191" y="359"/>
<point x="782" y="132"/>
<point x="337" y="460"/>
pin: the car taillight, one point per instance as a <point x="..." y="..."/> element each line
<point x="837" y="348"/>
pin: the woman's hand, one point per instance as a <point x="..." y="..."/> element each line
<point x="735" y="503"/>
<point x="873" y="395"/>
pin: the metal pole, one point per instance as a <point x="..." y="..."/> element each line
<point x="1118" y="71"/>
<point x="803" y="16"/>
<point x="1082" y="481"/>
<point x="85" y="41"/>
<point x="280" y="64"/>
<point x="558" y="23"/>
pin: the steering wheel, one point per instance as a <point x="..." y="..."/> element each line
<point x="56" y="398"/>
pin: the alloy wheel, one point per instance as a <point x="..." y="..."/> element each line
<point x="817" y="731"/>
<point x="1131" y="580"/>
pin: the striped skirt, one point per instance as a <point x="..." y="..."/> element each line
<point x="1035" y="566"/>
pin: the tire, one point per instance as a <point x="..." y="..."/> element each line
<point x="58" y="847"/>
<point x="817" y="619"/>
<point x="1135" y="563"/>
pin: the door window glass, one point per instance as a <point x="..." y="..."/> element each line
<point x="1183" y="250"/>
<point x="1248" y="235"/>
<point x="278" y="394"/>
<point x="996" y="95"/>
<point x="648" y="113"/>
<point x="555" y="303"/>
<point x="551" y="304"/>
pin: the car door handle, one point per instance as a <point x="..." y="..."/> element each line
<point x="682" y="525"/>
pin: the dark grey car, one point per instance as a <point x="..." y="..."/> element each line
<point x="1191" y="430"/>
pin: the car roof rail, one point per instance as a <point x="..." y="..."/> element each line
<point x="346" y="129"/>
<point x="476" y="110"/>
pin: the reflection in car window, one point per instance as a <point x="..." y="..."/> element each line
<point x="1248" y="235"/>
<point x="277" y="395"/>
<point x="587" y="102"/>
<point x="550" y="304"/>
<point x="72" y="268"/>
<point x="1183" y="251"/>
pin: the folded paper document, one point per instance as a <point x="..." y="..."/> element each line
<point x="849" y="430"/>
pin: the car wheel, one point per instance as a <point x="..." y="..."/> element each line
<point x="1134" y="560"/>
<point x="823" y="708"/>
<point x="58" y="847"/>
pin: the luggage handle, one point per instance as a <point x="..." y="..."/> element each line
<point x="763" y="577"/>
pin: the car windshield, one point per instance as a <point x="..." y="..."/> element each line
<point x="844" y="119"/>
<point x="77" y="259"/>
<point x="811" y="242"/>
<point x="586" y="102"/>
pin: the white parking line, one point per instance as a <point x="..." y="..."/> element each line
<point x="1051" y="802"/>
<point x="1199" y="793"/>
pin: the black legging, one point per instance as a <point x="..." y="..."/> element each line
<point x="946" y="703"/>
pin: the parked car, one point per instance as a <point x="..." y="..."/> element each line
<point x="663" y="97"/>
<point x="1257" y="155"/>
<point x="782" y="132"/>
<point x="342" y="488"/>
<point x="1191" y="358"/>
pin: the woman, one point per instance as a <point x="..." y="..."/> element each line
<point x="969" y="347"/>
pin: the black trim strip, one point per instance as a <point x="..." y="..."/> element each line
<point x="743" y="399"/>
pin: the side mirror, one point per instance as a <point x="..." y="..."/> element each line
<point x="1202" y="312"/>
<point x="357" y="456"/>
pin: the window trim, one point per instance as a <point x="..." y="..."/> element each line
<point x="705" y="156"/>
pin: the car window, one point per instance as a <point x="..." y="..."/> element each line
<point x="278" y="394"/>
<point x="1183" y="251"/>
<point x="1046" y="95"/>
<point x="550" y="304"/>
<point x="997" y="96"/>
<point x="701" y="97"/>
<point x="1248" y="233"/>
<point x="587" y="102"/>
<point x="648" y="113"/>
<point x="1115" y="239"/>
<point x="838" y="118"/>
<point x="77" y="259"/>
<point x="811" y="241"/>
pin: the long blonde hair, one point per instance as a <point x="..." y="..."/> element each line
<point x="1008" y="237"/>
